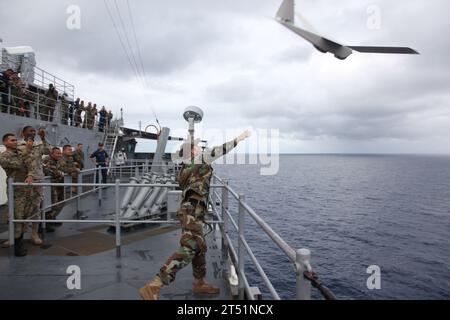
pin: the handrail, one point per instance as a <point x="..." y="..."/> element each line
<point x="114" y="144"/>
<point x="300" y="258"/>
<point x="39" y="101"/>
<point x="36" y="114"/>
<point x="40" y="75"/>
<point x="272" y="234"/>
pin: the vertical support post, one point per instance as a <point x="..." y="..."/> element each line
<point x="9" y="100"/>
<point x="212" y="196"/>
<point x="79" y="192"/>
<point x="100" y="181"/>
<point x="70" y="179"/>
<point x="38" y="113"/>
<point x="224" y="204"/>
<point x="42" y="210"/>
<point x="118" y="239"/>
<point x="11" y="211"/>
<point x="302" y="260"/>
<point x="241" y="252"/>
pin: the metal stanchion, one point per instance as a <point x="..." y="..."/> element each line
<point x="11" y="214"/>
<point x="302" y="260"/>
<point x="118" y="240"/>
<point x="241" y="249"/>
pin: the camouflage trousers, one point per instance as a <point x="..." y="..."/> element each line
<point x="27" y="201"/>
<point x="192" y="245"/>
<point x="57" y="196"/>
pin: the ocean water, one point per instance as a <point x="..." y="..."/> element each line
<point x="353" y="211"/>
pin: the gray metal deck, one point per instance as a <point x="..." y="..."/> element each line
<point x="42" y="274"/>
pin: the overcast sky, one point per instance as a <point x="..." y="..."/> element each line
<point x="246" y="71"/>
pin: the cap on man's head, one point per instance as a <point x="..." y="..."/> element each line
<point x="187" y="142"/>
<point x="100" y="144"/>
<point x="186" y="146"/>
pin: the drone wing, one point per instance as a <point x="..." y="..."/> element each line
<point x="391" y="50"/>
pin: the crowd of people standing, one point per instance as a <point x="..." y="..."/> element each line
<point x="20" y="99"/>
<point x="29" y="161"/>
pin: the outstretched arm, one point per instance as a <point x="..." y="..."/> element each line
<point x="219" y="151"/>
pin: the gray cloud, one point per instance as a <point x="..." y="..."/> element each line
<point x="246" y="70"/>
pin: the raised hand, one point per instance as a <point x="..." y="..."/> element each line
<point x="41" y="133"/>
<point x="244" y="135"/>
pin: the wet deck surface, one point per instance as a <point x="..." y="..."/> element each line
<point x="43" y="273"/>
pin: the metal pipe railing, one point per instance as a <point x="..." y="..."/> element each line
<point x="117" y="220"/>
<point x="300" y="258"/>
<point x="272" y="234"/>
<point x="35" y="113"/>
<point x="241" y="256"/>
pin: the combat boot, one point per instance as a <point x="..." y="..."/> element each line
<point x="48" y="228"/>
<point x="19" y="248"/>
<point x="52" y="224"/>
<point x="34" y="235"/>
<point x="151" y="290"/>
<point x="203" y="287"/>
<point x="5" y="244"/>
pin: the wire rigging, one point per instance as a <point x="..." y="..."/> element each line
<point x="138" y="68"/>
<point x="144" y="73"/>
<point x="133" y="28"/>
<point x="127" y="38"/>
<point x="120" y="38"/>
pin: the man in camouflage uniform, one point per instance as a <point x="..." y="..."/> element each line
<point x="194" y="180"/>
<point x="37" y="151"/>
<point x="78" y="156"/>
<point x="50" y="103"/>
<point x="52" y="168"/>
<point x="109" y="118"/>
<point x="64" y="109"/>
<point x="87" y="115"/>
<point x="77" y="116"/>
<point x="5" y="85"/>
<point x="17" y="95"/>
<point x="69" y="166"/>
<point x="94" y="113"/>
<point x="18" y="166"/>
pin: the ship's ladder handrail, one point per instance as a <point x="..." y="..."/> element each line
<point x="111" y="147"/>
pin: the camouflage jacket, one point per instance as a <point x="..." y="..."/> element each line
<point x="17" y="165"/>
<point x="67" y="165"/>
<point x="195" y="179"/>
<point x="79" y="110"/>
<point x="52" y="168"/>
<point x="52" y="97"/>
<point x="78" y="157"/>
<point x="64" y="105"/>
<point x="38" y="151"/>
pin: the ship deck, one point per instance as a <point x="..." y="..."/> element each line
<point x="43" y="273"/>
